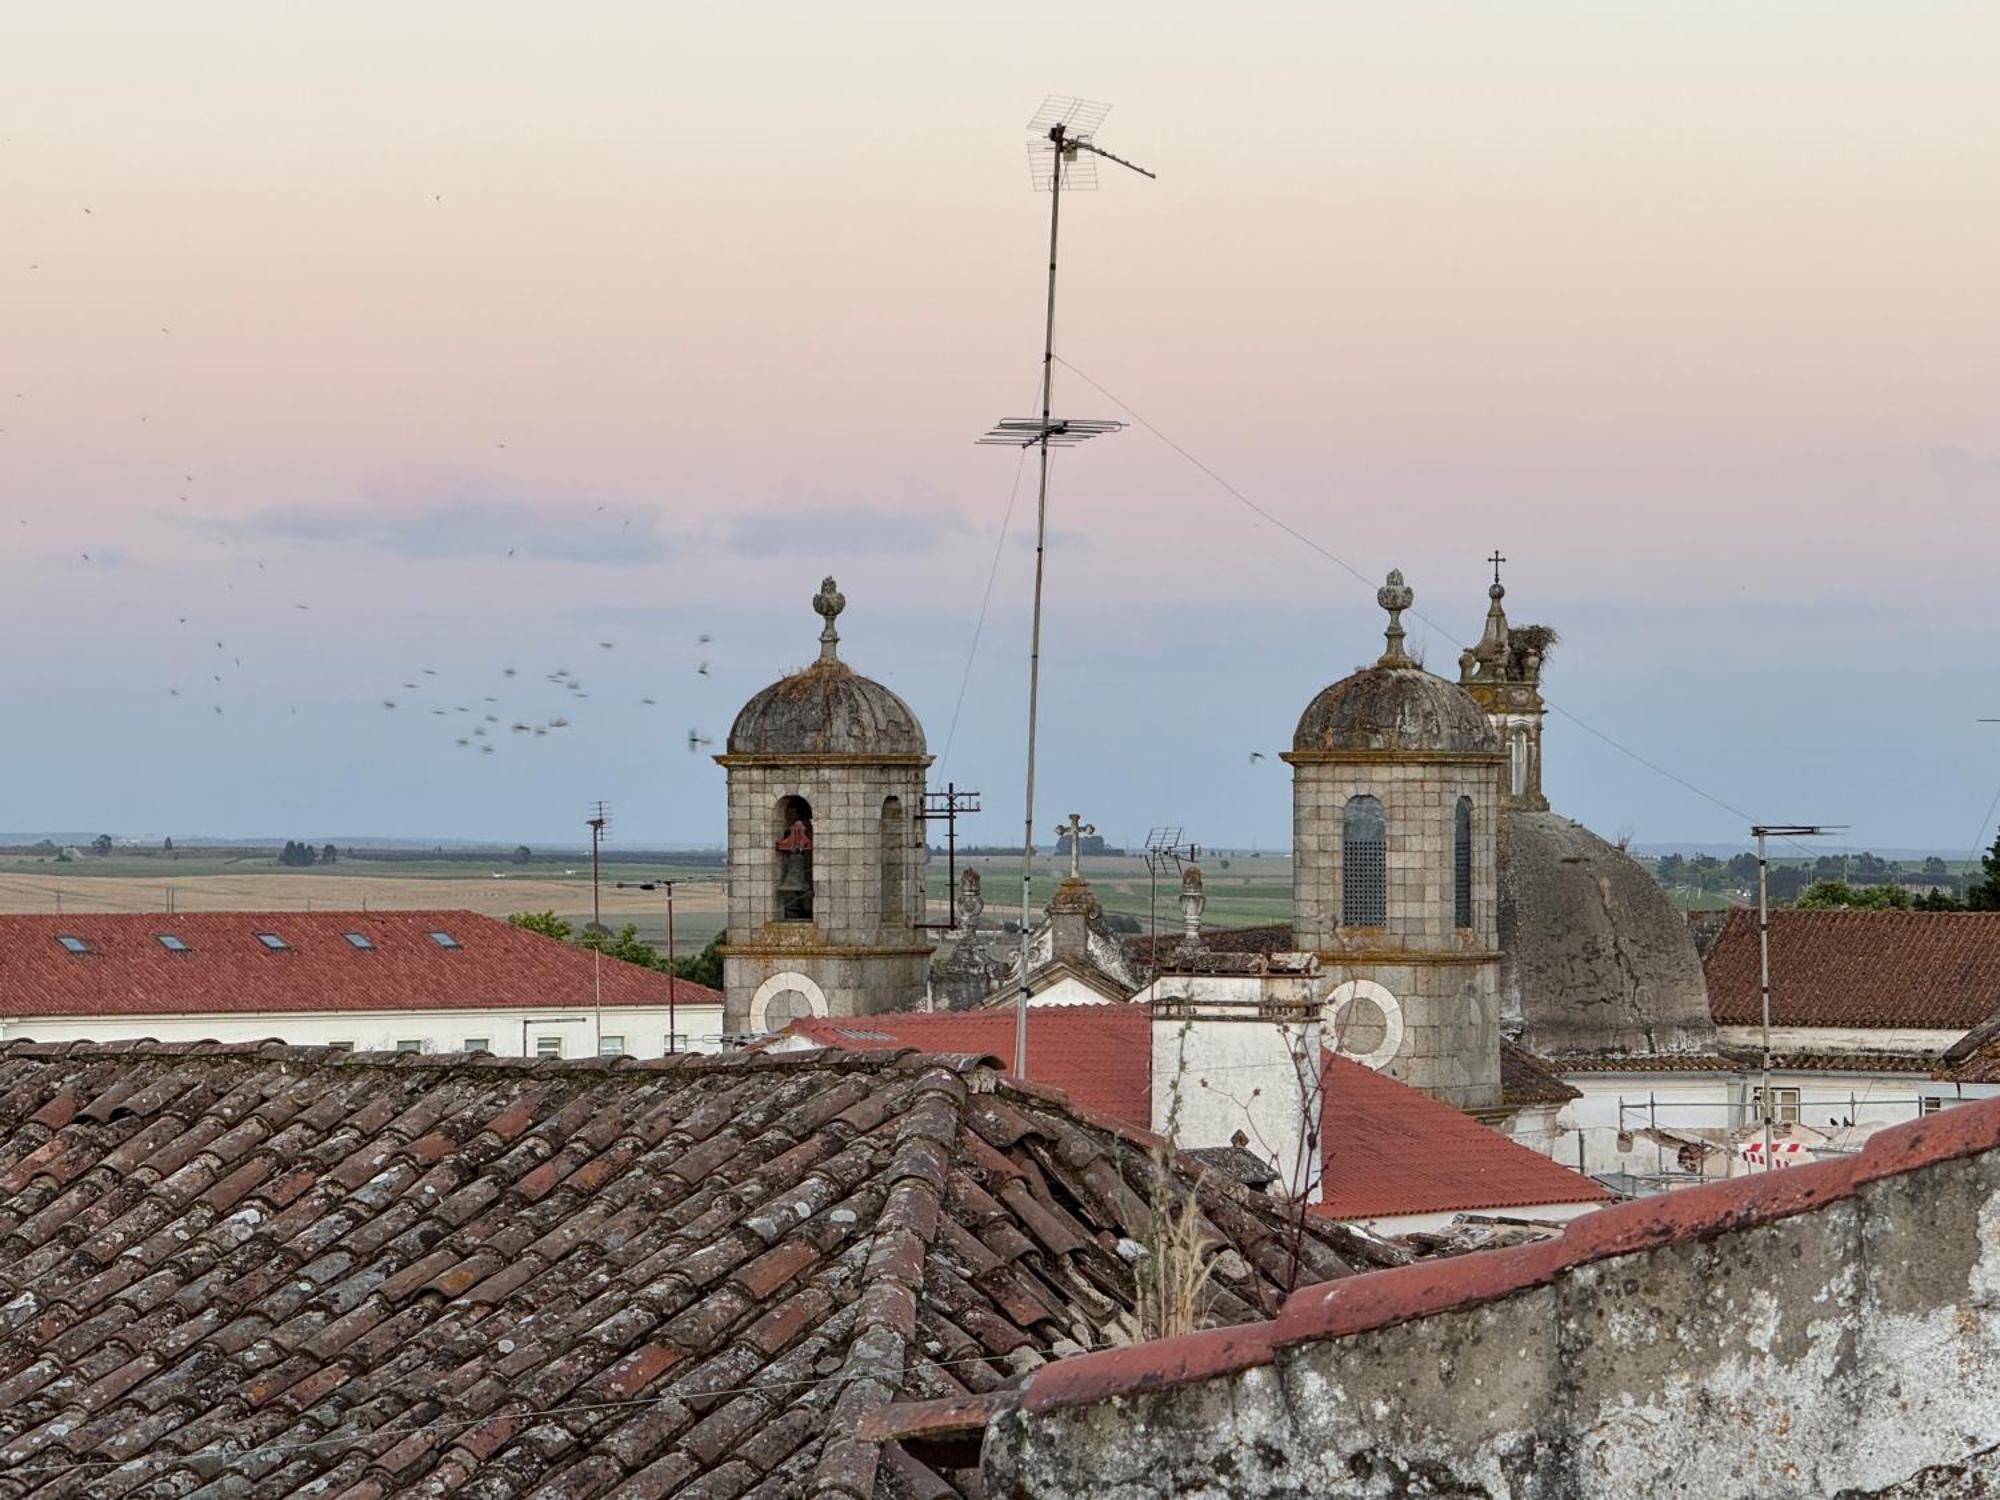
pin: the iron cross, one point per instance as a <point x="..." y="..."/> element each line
<point x="1496" y="559"/>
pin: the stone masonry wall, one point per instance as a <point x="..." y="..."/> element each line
<point x="1827" y="1331"/>
<point x="1446" y="979"/>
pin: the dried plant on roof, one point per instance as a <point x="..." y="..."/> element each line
<point x="1179" y="1250"/>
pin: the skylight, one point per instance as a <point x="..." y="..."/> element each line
<point x="272" y="941"/>
<point x="74" y="944"/>
<point x="360" y="940"/>
<point x="171" y="943"/>
<point x="444" y="940"/>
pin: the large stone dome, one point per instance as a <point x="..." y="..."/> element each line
<point x="1597" y="961"/>
<point x="1394" y="708"/>
<point x="828" y="708"/>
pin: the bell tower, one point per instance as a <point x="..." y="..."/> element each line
<point x="1503" y="673"/>
<point x="826" y="853"/>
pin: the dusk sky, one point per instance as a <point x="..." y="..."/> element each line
<point x="488" y="333"/>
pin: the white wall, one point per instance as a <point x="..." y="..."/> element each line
<point x="1838" y="1038"/>
<point x="1554" y="1213"/>
<point x="643" y="1028"/>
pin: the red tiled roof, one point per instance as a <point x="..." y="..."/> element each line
<point x="269" y="1270"/>
<point x="1974" y="1057"/>
<point x="1929" y="970"/>
<point x="226" y="970"/>
<point x="1390" y="1150"/>
<point x="1528" y="1078"/>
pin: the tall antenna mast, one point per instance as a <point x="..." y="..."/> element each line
<point x="1060" y="152"/>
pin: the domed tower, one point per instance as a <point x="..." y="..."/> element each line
<point x="1395" y="809"/>
<point x="826" y="796"/>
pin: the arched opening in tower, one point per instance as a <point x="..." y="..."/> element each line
<point x="895" y="864"/>
<point x="794" y="894"/>
<point x="1364" y="848"/>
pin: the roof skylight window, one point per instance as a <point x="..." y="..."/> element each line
<point x="171" y="943"/>
<point x="360" y="940"/>
<point x="445" y="940"/>
<point x="73" y="944"/>
<point x="272" y="941"/>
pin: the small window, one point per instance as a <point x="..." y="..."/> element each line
<point x="478" y="1044"/>
<point x="340" y="1046"/>
<point x="171" y="943"/>
<point x="611" y="1046"/>
<point x="413" y="1045"/>
<point x="272" y="941"/>
<point x="444" y="940"/>
<point x="1784" y="1105"/>
<point x="360" y="940"/>
<point x="677" y="1042"/>
<point x="1929" y="1106"/>
<point x="548" y="1046"/>
<point x="74" y="944"/>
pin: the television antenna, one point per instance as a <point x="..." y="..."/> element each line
<point x="1165" y="845"/>
<point x="1062" y="152"/>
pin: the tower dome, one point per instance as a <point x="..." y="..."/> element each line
<point x="827" y="708"/>
<point x="1395" y="704"/>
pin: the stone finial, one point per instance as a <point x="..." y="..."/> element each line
<point x="1395" y="596"/>
<point x="828" y="603"/>
<point x="970" y="902"/>
<point x="1193" y="899"/>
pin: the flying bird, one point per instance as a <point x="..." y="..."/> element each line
<point x="704" y="638"/>
<point x="1255" y="756"/>
<point x="388" y="702"/>
<point x="702" y="670"/>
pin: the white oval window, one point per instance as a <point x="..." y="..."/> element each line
<point x="783" y="999"/>
<point x="1361" y="1020"/>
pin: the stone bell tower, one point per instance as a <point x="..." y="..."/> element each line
<point x="1395" y="795"/>
<point x="826" y="850"/>
<point x="1503" y="673"/>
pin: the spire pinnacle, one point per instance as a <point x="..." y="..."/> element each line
<point x="1395" y="596"/>
<point x="828" y="603"/>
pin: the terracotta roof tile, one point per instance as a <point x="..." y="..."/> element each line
<point x="502" y="1277"/>
<point x="1890" y="969"/>
<point x="1391" y="1150"/>
<point x="227" y="971"/>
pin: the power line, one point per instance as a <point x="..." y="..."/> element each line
<point x="992" y="573"/>
<point x="1366" y="582"/>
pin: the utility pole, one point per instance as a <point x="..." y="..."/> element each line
<point x="1764" y="831"/>
<point x="598" y="820"/>
<point x="673" y="978"/>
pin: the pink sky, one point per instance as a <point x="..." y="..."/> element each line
<point x="1689" y="309"/>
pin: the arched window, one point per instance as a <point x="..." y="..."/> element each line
<point x="1461" y="863"/>
<point x="1364" y="883"/>
<point x="794" y="894"/>
<point x="895" y="863"/>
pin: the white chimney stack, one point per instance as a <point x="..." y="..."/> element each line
<point x="1244" y="1072"/>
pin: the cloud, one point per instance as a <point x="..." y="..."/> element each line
<point x="832" y="529"/>
<point x="434" y="530"/>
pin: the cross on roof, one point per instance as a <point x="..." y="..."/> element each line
<point x="1074" y="830"/>
<point x="1496" y="559"/>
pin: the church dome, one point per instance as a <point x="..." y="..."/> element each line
<point x="828" y="708"/>
<point x="1394" y="708"/>
<point x="1597" y="962"/>
<point x="1395" y="704"/>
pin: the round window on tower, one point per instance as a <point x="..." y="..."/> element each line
<point x="784" y="998"/>
<point x="1361" y="1020"/>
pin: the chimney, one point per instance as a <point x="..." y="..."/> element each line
<point x="1070" y="910"/>
<point x="1244" y="1072"/>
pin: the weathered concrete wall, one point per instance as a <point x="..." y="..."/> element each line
<point x="1830" y="1331"/>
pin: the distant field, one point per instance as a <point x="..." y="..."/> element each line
<point x="1253" y="890"/>
<point x="194" y="883"/>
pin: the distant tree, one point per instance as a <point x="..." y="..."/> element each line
<point x="101" y="845"/>
<point x="296" y="854"/>
<point x="167" y="847"/>
<point x="1938" y="901"/>
<point x="1743" y="868"/>
<point x="522" y="854"/>
<point x="1828" y="895"/>
<point x="328" y="854"/>
<point x="1984" y="895"/>
<point x="547" y="923"/>
<point x="1671" y="869"/>
<point x="623" y="944"/>
<point x="1935" y="866"/>
<point x="706" y="966"/>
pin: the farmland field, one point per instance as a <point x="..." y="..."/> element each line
<point x="1253" y="889"/>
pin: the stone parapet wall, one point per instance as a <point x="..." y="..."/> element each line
<point x="1825" y="1331"/>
